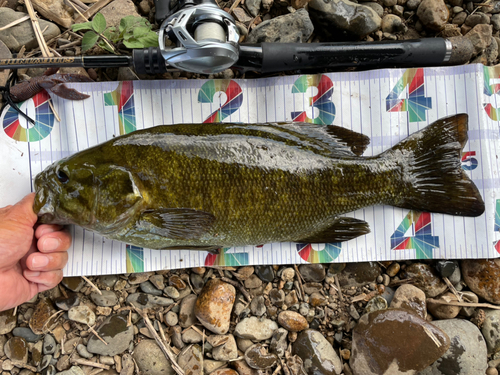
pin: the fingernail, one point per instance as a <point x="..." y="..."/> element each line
<point x="31" y="273"/>
<point x="50" y="244"/>
<point x="39" y="261"/>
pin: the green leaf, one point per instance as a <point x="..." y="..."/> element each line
<point x="141" y="31"/>
<point x="133" y="43"/>
<point x="89" y="40"/>
<point x="82" y="26"/>
<point x="128" y="21"/>
<point x="105" y="46"/>
<point x="149" y="40"/>
<point x="99" y="23"/>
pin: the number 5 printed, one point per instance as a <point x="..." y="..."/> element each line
<point x="415" y="103"/>
<point x="323" y="109"/>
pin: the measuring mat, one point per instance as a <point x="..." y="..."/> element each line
<point x="385" y="105"/>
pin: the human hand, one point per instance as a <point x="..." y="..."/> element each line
<point x="31" y="259"/>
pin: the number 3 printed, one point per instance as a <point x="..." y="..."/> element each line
<point x="322" y="105"/>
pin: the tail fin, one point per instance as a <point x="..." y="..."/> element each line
<point x="432" y="171"/>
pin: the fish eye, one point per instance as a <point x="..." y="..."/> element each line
<point x="62" y="177"/>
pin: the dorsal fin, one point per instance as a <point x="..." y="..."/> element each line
<point x="337" y="139"/>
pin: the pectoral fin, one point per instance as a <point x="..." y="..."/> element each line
<point x="176" y="223"/>
<point x="343" y="229"/>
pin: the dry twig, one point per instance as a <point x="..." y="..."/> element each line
<point x="91" y="329"/>
<point x="14" y="23"/>
<point x="164" y="348"/>
<point x="452" y="289"/>
<point x="85" y="362"/>
<point x="466" y="304"/>
<point x="92" y="285"/>
<point x="36" y="28"/>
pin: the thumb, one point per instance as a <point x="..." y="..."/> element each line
<point x="22" y="211"/>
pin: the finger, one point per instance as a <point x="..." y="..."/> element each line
<point x="46" y="229"/>
<point x="54" y="242"/>
<point x="44" y="280"/>
<point x="47" y="262"/>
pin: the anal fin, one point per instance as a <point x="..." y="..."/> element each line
<point x="343" y="229"/>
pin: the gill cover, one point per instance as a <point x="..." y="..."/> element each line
<point x="118" y="199"/>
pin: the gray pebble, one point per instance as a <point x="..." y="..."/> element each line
<point x="279" y="342"/>
<point x="413" y="4"/>
<point x="257" y="306"/>
<point x="379" y="9"/>
<point x="49" y="344"/>
<point x="83" y="352"/>
<point x="172" y="292"/>
<point x="476" y="19"/>
<point x="108" y="298"/>
<point x="45" y="362"/>
<point x="376" y="303"/>
<point x="171" y="318"/>
<point x="190" y="336"/>
<point x="144" y="300"/>
<point x="149" y="288"/>
<point x="495" y="21"/>
<point x="196" y="281"/>
<point x="26" y="333"/>
<point x="108" y="281"/>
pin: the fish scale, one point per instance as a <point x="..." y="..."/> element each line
<point x="204" y="186"/>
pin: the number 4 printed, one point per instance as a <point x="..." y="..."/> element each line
<point x="422" y="239"/>
<point x="416" y="102"/>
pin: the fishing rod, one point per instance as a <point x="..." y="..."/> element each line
<point x="204" y="39"/>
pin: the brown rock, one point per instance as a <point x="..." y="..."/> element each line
<point x="7" y="321"/>
<point x="118" y="9"/>
<point x="16" y="349"/>
<point x="480" y="36"/>
<point x="426" y="278"/>
<point x="242" y="367"/>
<point x="214" y="304"/>
<point x="224" y="371"/>
<point x="292" y="321"/>
<point x="177" y="282"/>
<point x="258" y="358"/>
<point x="410" y="298"/>
<point x="441" y="311"/>
<point x="359" y="274"/>
<point x="395" y="341"/>
<point x="55" y="10"/>
<point x="482" y="276"/>
<point x="433" y="14"/>
<point x="42" y="318"/>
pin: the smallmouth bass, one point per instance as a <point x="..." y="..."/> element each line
<point x="205" y="186"/>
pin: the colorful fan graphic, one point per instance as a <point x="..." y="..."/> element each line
<point x="497" y="224"/>
<point x="323" y="109"/>
<point x="44" y="121"/>
<point x="234" y="98"/>
<point x="123" y="98"/>
<point x="422" y="240"/>
<point x="417" y="103"/>
<point x="328" y="254"/>
<point x="135" y="259"/>
<point x="489" y="90"/>
<point x="225" y="259"/>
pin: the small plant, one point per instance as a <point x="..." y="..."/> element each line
<point x="133" y="32"/>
